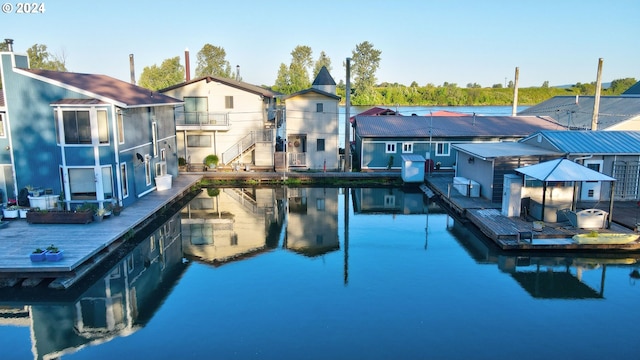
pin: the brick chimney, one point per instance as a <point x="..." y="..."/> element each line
<point x="187" y="66"/>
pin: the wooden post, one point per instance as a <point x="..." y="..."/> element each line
<point x="596" y="99"/>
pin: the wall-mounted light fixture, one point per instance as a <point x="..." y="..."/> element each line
<point x="471" y="160"/>
<point x="140" y="157"/>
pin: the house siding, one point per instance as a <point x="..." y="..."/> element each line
<point x="249" y="113"/>
<point x="303" y="119"/>
<point x="31" y="104"/>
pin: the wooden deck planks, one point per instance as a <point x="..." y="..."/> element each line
<point x="80" y="242"/>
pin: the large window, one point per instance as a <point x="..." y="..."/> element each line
<point x="82" y="184"/>
<point x="107" y="182"/>
<point x="199" y="141"/>
<point x="77" y="127"/>
<point x="195" y="110"/>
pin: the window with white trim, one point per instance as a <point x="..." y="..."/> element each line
<point x="120" y="127"/>
<point x="407" y="148"/>
<point x="2" y="131"/>
<point x="124" y="180"/>
<point x="390" y="147"/>
<point x="442" y="149"/>
<point x="228" y="102"/>
<point x="147" y="169"/>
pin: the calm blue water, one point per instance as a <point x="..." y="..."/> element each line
<point x="288" y="274"/>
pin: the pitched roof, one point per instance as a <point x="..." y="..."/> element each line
<point x="451" y="126"/>
<point x="310" y="90"/>
<point x="105" y="88"/>
<point x="577" y="111"/>
<point x="323" y="78"/>
<point x="633" y="90"/>
<point x="374" y="111"/>
<point x="492" y="150"/>
<point x="562" y="170"/>
<point x="593" y="142"/>
<point x="258" y="90"/>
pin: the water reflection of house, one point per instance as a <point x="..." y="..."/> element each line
<point x="389" y="200"/>
<point x="543" y="276"/>
<point x="312" y="221"/>
<point x="221" y="225"/>
<point x="118" y="304"/>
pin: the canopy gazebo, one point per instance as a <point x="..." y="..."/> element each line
<point x="564" y="170"/>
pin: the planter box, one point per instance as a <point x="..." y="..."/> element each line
<point x="23" y="212"/>
<point x="10" y="214"/>
<point x="54" y="256"/>
<point x="59" y="217"/>
<point x="37" y="257"/>
<point x="43" y="202"/>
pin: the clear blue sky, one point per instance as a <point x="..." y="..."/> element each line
<point x="455" y="41"/>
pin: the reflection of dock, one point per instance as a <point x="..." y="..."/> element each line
<point x="516" y="233"/>
<point x="85" y="246"/>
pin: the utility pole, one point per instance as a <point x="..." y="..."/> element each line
<point x="514" y="109"/>
<point x="596" y="99"/>
<point x="347" y="124"/>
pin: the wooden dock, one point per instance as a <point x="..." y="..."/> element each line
<point x="517" y="233"/>
<point x="84" y="245"/>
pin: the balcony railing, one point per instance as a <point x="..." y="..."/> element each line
<point x="297" y="159"/>
<point x="186" y="120"/>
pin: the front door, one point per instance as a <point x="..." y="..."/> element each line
<point x="591" y="189"/>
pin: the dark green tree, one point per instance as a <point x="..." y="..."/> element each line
<point x="40" y="58"/>
<point x="212" y="61"/>
<point x="301" y="62"/>
<point x="619" y="86"/>
<point x="365" y="63"/>
<point x="323" y="60"/>
<point x="283" y="82"/>
<point x="155" y="77"/>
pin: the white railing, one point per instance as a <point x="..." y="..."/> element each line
<point x="201" y="118"/>
<point x="245" y="143"/>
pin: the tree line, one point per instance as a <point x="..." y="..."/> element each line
<point x="302" y="69"/>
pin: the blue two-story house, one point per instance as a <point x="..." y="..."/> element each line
<point x="85" y="137"/>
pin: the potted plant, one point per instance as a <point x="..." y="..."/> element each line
<point x="116" y="209"/>
<point x="99" y="214"/>
<point x="11" y="212"/>
<point x="22" y="211"/>
<point x="182" y="164"/>
<point x="38" y="255"/>
<point x="33" y="191"/>
<point x="211" y="161"/>
<point x="438" y="164"/>
<point x="53" y="253"/>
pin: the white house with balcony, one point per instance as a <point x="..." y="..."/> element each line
<point x="231" y="119"/>
<point x="312" y="125"/>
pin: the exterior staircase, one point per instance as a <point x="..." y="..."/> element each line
<point x="246" y="144"/>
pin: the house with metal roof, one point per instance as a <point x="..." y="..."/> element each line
<point x="311" y="125"/>
<point x="380" y="141"/>
<point x="613" y="153"/>
<point x="576" y="112"/>
<point x="234" y="120"/>
<point x="83" y="137"/>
